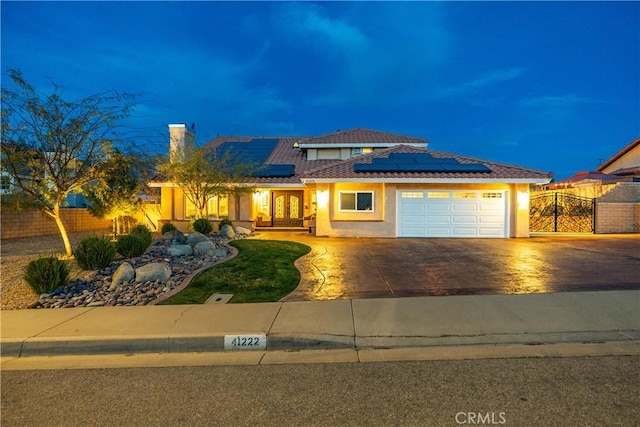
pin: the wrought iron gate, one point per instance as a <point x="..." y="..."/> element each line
<point x="560" y="212"/>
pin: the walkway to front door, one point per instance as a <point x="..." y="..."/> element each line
<point x="286" y="208"/>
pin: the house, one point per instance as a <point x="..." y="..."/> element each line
<point x="612" y="191"/>
<point x="364" y="183"/>
<point x="625" y="163"/>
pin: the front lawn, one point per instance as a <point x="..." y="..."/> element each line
<point x="263" y="271"/>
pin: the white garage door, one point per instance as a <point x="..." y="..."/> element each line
<point x="459" y="213"/>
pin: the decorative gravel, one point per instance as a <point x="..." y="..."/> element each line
<point x="91" y="289"/>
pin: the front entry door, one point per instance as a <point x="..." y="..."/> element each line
<point x="287" y="208"/>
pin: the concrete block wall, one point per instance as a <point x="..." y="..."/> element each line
<point x="617" y="218"/>
<point x="35" y="223"/>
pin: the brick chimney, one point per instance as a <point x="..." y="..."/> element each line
<point x="182" y="140"/>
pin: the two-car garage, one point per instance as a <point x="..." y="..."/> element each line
<point x="452" y="213"/>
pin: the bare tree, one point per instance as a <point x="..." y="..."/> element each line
<point x="52" y="147"/>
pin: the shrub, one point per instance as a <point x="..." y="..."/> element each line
<point x="45" y="274"/>
<point x="167" y="227"/>
<point x="94" y="252"/>
<point x="203" y="226"/>
<point x="224" y="222"/>
<point x="142" y="233"/>
<point x="130" y="246"/>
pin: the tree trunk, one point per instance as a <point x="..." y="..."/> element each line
<point x="63" y="230"/>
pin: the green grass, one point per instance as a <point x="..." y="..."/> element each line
<point x="263" y="271"/>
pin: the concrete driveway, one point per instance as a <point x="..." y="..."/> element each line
<point x="340" y="268"/>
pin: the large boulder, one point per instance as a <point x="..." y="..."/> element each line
<point x="221" y="252"/>
<point x="242" y="230"/>
<point x="227" y="231"/>
<point x="176" y="235"/>
<point x="124" y="273"/>
<point x="194" y="238"/>
<point x="153" y="271"/>
<point x="205" y="248"/>
<point x="180" y="250"/>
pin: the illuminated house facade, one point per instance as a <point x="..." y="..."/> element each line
<point x="365" y="183"/>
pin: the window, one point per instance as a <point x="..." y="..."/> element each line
<point x="361" y="150"/>
<point x="412" y="195"/>
<point x="464" y="195"/>
<point x="5" y="184"/>
<point x="217" y="207"/>
<point x="438" y="194"/>
<point x="352" y="201"/>
<point x="491" y="195"/>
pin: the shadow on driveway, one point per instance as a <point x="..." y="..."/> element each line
<point x="344" y="268"/>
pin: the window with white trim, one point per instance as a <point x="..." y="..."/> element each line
<point x="356" y="201"/>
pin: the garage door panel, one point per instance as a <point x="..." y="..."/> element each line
<point x="464" y="207"/>
<point x="480" y="213"/>
<point x="464" y="232"/>
<point x="491" y="232"/>
<point x="438" y="207"/>
<point x="464" y="219"/>
<point x="490" y="219"/>
<point x="439" y="219"/>
<point x="414" y="231"/>
<point x="438" y="231"/>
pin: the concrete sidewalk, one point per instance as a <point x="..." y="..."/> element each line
<point x="576" y="317"/>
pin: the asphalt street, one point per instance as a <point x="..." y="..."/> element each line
<point x="514" y="392"/>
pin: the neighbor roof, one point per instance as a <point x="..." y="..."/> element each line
<point x="619" y="154"/>
<point x="498" y="172"/>
<point x="360" y="138"/>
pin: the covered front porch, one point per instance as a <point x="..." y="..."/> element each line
<point x="286" y="208"/>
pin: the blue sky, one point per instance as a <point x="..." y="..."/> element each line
<point x="549" y="85"/>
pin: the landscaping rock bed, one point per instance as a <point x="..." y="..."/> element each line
<point x="96" y="288"/>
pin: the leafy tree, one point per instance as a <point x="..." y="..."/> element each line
<point x="203" y="175"/>
<point x="117" y="195"/>
<point x="52" y="146"/>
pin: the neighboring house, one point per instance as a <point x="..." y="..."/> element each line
<point x="613" y="191"/>
<point x="8" y="186"/>
<point x="624" y="166"/>
<point x="365" y="183"/>
<point x="625" y="163"/>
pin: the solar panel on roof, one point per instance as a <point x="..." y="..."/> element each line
<point x="275" y="171"/>
<point x="255" y="151"/>
<point x="418" y="162"/>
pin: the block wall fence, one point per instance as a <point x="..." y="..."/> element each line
<point x="35" y="223"/>
<point x="617" y="218"/>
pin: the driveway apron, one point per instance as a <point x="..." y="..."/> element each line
<point x="353" y="268"/>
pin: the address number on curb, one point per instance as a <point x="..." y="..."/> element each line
<point x="245" y="342"/>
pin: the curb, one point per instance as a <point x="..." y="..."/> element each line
<point x="60" y="346"/>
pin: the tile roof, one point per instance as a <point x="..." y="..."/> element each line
<point x="344" y="169"/>
<point x="283" y="154"/>
<point x="286" y="153"/>
<point x="630" y="171"/>
<point x="362" y="136"/>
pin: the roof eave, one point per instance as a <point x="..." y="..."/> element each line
<point x="312" y="180"/>
<point x="362" y="145"/>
